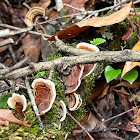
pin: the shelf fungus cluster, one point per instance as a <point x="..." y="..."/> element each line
<point x="45" y="94"/>
<point x="19" y="103"/>
<point x="73" y="81"/>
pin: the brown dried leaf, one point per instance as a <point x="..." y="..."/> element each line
<point x="104" y="92"/>
<point x="95" y="22"/>
<point x="89" y="122"/>
<point x="129" y="32"/>
<point x="130" y="65"/>
<point x="32" y="46"/>
<point x="127" y="84"/>
<point x="97" y="89"/>
<point x="137" y="118"/>
<point x="125" y="102"/>
<point x="4" y="123"/>
<point x="7" y="115"/>
<point x="109" y="20"/>
<point x="68" y="32"/>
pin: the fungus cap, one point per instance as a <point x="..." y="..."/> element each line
<point x="63" y="111"/>
<point x="17" y="98"/>
<point x="72" y="100"/>
<point x="45" y="94"/>
<point x="34" y="11"/>
<point x="88" y="68"/>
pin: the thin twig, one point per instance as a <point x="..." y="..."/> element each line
<point x="6" y="41"/>
<point x="121" y="114"/>
<point x="17" y="65"/>
<point x="83" y="128"/>
<point x="136" y="16"/>
<point x="133" y="27"/>
<point x="20" y="30"/>
<point x="12" y="53"/>
<point x="33" y="103"/>
<point x="75" y="8"/>
<point x="80" y="126"/>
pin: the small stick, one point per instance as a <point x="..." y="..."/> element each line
<point x="121" y="114"/>
<point x="12" y="53"/>
<point x="136" y="16"/>
<point x="77" y="122"/>
<point x="13" y="86"/>
<point x="33" y="103"/>
<point x="20" y="30"/>
<point x="6" y="41"/>
<point x="17" y="65"/>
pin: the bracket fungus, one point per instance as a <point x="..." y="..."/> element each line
<point x="62" y="111"/>
<point x="72" y="81"/>
<point x="88" y="68"/>
<point x="32" y="13"/>
<point x="45" y="94"/>
<point x="19" y="103"/>
<point x="74" y="101"/>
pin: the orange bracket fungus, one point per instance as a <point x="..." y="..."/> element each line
<point x="88" y="68"/>
<point x="74" y="101"/>
<point x="72" y="81"/>
<point x="19" y="103"/>
<point x="45" y="94"/>
<point x="62" y="111"/>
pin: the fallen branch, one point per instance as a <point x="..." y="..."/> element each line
<point x="33" y="103"/>
<point x="63" y="64"/>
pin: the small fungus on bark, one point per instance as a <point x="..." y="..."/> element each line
<point x="73" y="81"/>
<point x="74" y="101"/>
<point x="88" y="68"/>
<point x="62" y="111"/>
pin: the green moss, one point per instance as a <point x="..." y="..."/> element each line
<point x="13" y="131"/>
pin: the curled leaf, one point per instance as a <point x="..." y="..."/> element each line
<point x="128" y="33"/>
<point x="7" y="115"/>
<point x="95" y="22"/>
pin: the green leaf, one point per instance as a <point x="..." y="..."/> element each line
<point x="3" y="101"/>
<point x="98" y="41"/>
<point x="111" y="73"/>
<point x="131" y="76"/>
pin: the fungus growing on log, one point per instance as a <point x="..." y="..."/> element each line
<point x="73" y="81"/>
<point x="19" y="103"/>
<point x="74" y="101"/>
<point x="45" y="94"/>
<point x="88" y="68"/>
<point x="62" y="111"/>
